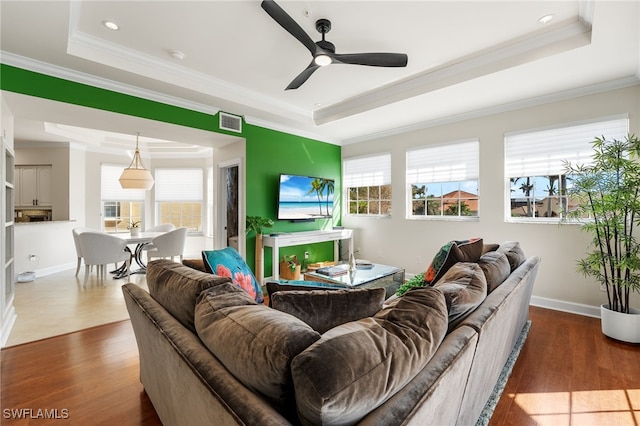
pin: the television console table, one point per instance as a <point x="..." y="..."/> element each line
<point x="299" y="238"/>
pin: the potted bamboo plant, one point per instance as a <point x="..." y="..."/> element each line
<point x="607" y="197"/>
<point x="255" y="224"/>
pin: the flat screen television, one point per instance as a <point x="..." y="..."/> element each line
<point x="304" y="197"/>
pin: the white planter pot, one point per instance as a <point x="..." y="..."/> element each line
<point x="134" y="232"/>
<point x="619" y="326"/>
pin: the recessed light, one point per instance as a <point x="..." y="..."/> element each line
<point x="111" y="25"/>
<point x="546" y="18"/>
<point x="176" y="54"/>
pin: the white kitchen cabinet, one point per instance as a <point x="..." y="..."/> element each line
<point x="33" y="185"/>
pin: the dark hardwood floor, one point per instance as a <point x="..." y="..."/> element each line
<point x="89" y="377"/>
<point x="568" y="373"/>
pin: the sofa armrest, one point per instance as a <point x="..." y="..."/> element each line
<point x="185" y="382"/>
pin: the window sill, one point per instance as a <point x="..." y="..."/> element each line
<point x="370" y="216"/>
<point x="540" y="221"/>
<point x="446" y="218"/>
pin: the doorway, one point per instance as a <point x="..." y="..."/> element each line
<point x="230" y="207"/>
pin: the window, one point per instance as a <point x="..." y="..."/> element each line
<point x="368" y="185"/>
<point x="443" y="180"/>
<point x="180" y="197"/>
<point x="120" y="207"/>
<point x="534" y="166"/>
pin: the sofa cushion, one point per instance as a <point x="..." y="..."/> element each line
<point x="496" y="268"/>
<point x="486" y="248"/>
<point x="254" y="342"/>
<point x="325" y="309"/>
<point x="298" y="285"/>
<point x="514" y="253"/>
<point x="355" y="367"/>
<point x="464" y="287"/>
<point x="450" y="254"/>
<point x="197" y="264"/>
<point x="227" y="262"/>
<point x="176" y="287"/>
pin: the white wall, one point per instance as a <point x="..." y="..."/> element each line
<point x="51" y="242"/>
<point x="411" y="244"/>
<point x="77" y="185"/>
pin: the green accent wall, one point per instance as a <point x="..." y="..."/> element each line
<point x="268" y="152"/>
<point x="31" y="83"/>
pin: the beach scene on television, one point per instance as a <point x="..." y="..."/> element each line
<point x="305" y="197"/>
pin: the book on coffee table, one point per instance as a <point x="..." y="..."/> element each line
<point x="332" y="271"/>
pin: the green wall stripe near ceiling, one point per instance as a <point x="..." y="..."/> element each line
<point x="31" y="83"/>
<point x="268" y="152"/>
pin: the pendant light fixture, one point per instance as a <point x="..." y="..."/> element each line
<point x="136" y="176"/>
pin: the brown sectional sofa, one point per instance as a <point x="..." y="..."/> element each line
<point x="431" y="356"/>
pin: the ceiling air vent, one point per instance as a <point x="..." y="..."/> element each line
<point x="229" y="122"/>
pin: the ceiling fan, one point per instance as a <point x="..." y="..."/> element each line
<point x="324" y="52"/>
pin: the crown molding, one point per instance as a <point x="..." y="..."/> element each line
<point x="562" y="37"/>
<point x="34" y="65"/>
<point x="511" y="106"/>
<point x="30" y="64"/>
<point x="290" y="130"/>
<point x="97" y="50"/>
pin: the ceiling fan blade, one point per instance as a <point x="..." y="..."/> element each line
<point x="373" y="59"/>
<point x="303" y="76"/>
<point x="287" y="22"/>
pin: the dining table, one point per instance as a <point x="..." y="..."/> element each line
<point x="140" y="240"/>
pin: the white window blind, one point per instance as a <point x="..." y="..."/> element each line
<point x="541" y="153"/>
<point x="453" y="162"/>
<point x="110" y="188"/>
<point x="367" y="171"/>
<point x="178" y="185"/>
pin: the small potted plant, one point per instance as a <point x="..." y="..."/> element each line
<point x="134" y="228"/>
<point x="255" y="224"/>
<point x="607" y="196"/>
<point x="290" y="267"/>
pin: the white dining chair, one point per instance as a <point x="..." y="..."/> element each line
<point x="76" y="241"/>
<point x="163" y="227"/>
<point x="170" y="244"/>
<point x="101" y="249"/>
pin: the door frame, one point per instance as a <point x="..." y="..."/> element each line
<point x="220" y="239"/>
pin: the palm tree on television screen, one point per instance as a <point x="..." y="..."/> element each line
<point x="317" y="186"/>
<point x="330" y="187"/>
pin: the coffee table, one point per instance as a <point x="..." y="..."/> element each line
<point x="374" y="276"/>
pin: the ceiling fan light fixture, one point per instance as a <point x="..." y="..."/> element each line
<point x="136" y="176"/>
<point x="322" y="60"/>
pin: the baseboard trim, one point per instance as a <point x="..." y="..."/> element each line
<point x="55" y="269"/>
<point x="570" y="307"/>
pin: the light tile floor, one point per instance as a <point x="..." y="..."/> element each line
<point x="58" y="303"/>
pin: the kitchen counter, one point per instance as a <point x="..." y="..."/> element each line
<point x="44" y="222"/>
